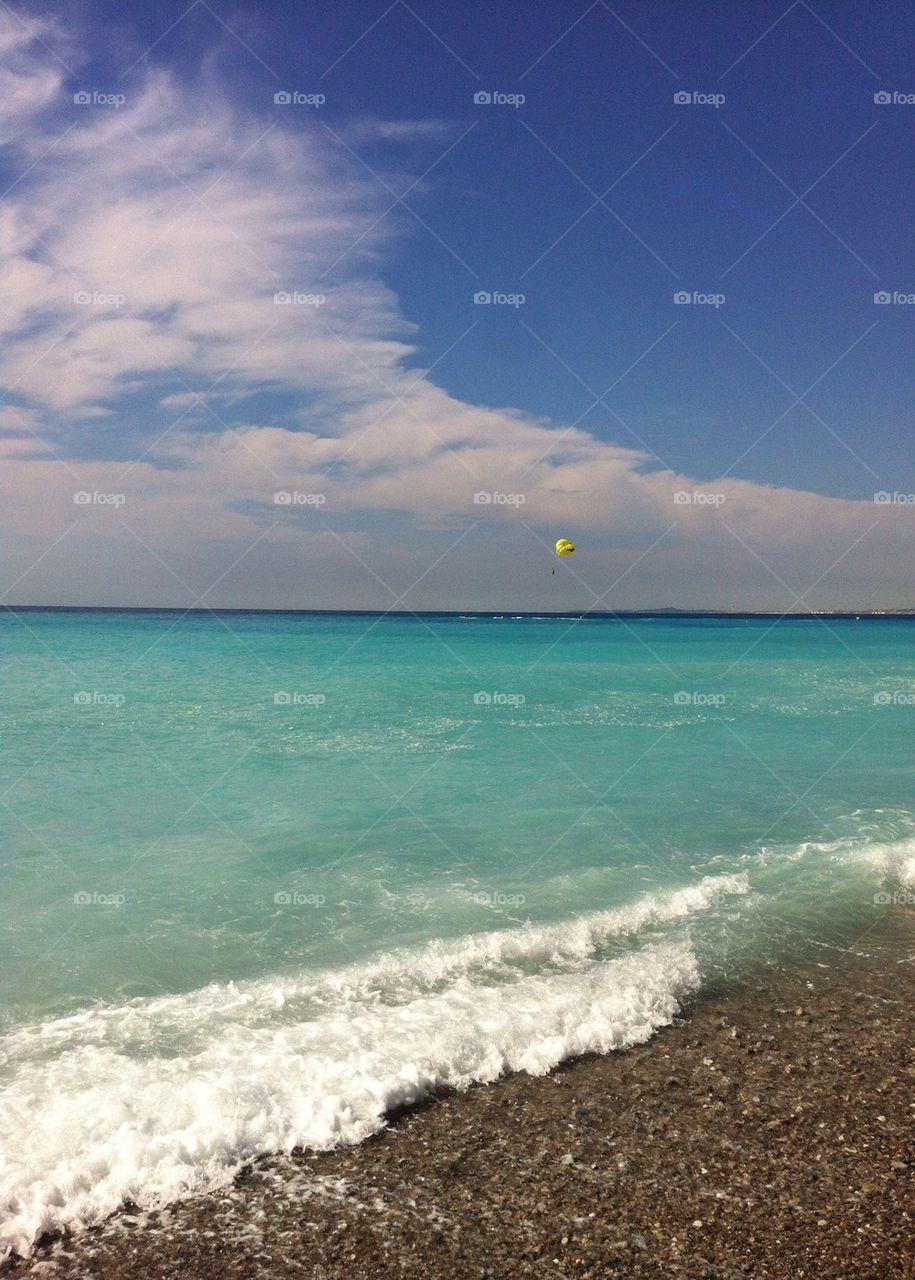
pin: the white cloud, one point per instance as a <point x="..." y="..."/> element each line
<point x="28" y="83"/>
<point x="373" y="129"/>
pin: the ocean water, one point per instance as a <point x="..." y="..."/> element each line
<point x="266" y="876"/>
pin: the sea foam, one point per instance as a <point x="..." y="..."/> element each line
<point x="159" y="1098"/>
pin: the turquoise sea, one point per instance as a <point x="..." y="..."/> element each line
<point x="266" y="876"/>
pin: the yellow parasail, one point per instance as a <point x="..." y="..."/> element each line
<point x="564" y="547"/>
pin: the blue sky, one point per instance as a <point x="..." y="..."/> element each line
<point x="777" y="198"/>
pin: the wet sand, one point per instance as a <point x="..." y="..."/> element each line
<point x="770" y="1134"/>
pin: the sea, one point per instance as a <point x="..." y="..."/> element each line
<point x="268" y="876"/>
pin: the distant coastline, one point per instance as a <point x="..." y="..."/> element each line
<point x="507" y="612"/>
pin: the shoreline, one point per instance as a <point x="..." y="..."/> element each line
<point x="769" y="1132"/>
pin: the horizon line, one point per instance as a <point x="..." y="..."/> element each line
<point x="668" y="611"/>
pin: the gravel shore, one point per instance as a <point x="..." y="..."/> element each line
<point x="770" y="1133"/>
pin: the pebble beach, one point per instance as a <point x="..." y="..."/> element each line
<point x="770" y="1132"/>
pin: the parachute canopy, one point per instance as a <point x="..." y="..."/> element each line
<point x="564" y="547"/>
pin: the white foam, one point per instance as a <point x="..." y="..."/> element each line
<point x="159" y="1098"/>
<point x="896" y="860"/>
<point x="891" y="859"/>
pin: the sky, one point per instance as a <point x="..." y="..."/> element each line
<point x="363" y="306"/>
